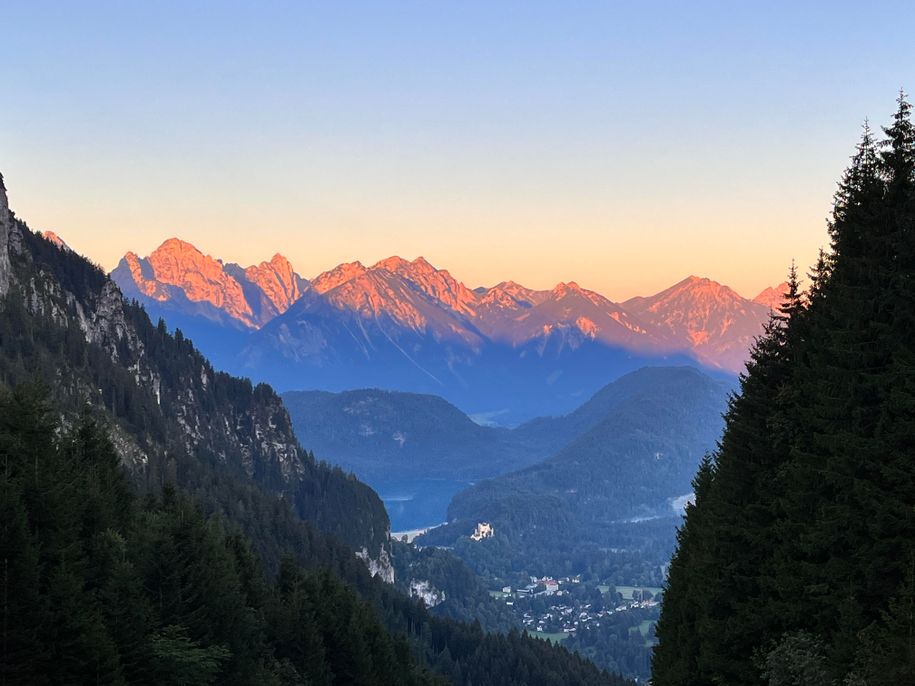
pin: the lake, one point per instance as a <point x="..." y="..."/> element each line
<point x="417" y="503"/>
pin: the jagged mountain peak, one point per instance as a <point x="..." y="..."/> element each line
<point x="693" y="281"/>
<point x="773" y="296"/>
<point x="200" y="278"/>
<point x="395" y="262"/>
<point x="178" y="245"/>
<point x="338" y="275"/>
<point x="564" y="288"/>
<point x="511" y="294"/>
<point x="278" y="263"/>
<point x="435" y="283"/>
<point x="392" y="263"/>
<point x="708" y="317"/>
<point x="179" y="275"/>
<point x="686" y="294"/>
<point x="53" y="238"/>
<point x="278" y="281"/>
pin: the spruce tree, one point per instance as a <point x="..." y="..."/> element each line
<point x="807" y="520"/>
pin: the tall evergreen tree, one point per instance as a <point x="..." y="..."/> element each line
<point x="809" y="513"/>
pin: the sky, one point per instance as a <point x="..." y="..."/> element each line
<point x="620" y="145"/>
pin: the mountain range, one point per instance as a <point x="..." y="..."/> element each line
<point x="504" y="353"/>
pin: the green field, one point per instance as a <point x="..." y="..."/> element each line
<point x="558" y="637"/>
<point x="627" y="591"/>
<point x="498" y="595"/>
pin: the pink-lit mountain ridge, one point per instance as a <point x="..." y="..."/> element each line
<point x="411" y="326"/>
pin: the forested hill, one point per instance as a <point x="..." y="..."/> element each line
<point x="176" y="419"/>
<point x="797" y="563"/>
<point x="631" y="465"/>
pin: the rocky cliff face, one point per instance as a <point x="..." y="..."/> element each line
<point x="253" y="436"/>
<point x="177" y="270"/>
<point x="4" y="240"/>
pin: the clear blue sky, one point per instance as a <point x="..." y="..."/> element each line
<point x="621" y="145"/>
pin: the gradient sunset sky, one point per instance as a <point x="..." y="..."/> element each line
<point x="621" y="145"/>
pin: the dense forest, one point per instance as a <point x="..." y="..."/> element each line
<point x="796" y="565"/>
<point x="102" y="587"/>
<point x="459" y="593"/>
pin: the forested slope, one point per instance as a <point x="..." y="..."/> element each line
<point x="797" y="563"/>
<point x="176" y="418"/>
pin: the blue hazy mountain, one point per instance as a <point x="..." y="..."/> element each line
<point x="503" y="354"/>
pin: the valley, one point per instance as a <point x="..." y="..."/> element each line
<point x="592" y="493"/>
<point x="165" y="520"/>
<point x="553" y="517"/>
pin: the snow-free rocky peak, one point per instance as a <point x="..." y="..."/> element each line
<point x="710" y="318"/>
<point x="278" y="280"/>
<point x="4" y="240"/>
<point x="178" y="274"/>
<point x="53" y="238"/>
<point x="772" y="297"/>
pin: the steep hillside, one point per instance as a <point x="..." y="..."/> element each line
<point x="415" y="450"/>
<point x="656" y="426"/>
<point x="555" y="433"/>
<point x="176" y="418"/>
<point x="106" y="590"/>
<point x="418" y="451"/>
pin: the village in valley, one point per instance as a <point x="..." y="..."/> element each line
<point x="556" y="608"/>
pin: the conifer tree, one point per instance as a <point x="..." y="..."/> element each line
<point x="808" y="519"/>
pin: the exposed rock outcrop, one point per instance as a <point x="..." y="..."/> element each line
<point x="425" y="591"/>
<point x="4" y="240"/>
<point x="382" y="567"/>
